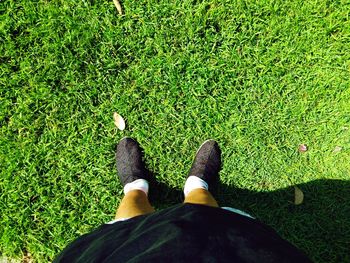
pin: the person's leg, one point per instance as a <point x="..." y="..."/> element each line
<point x="134" y="177"/>
<point x="201" y="197"/>
<point x="204" y="175"/>
<point x="134" y="203"/>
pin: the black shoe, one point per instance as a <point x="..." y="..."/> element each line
<point x="207" y="163"/>
<point x="130" y="165"/>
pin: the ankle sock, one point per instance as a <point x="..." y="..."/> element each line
<point x="139" y="184"/>
<point x="194" y="182"/>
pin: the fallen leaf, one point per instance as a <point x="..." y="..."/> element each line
<point x="119" y="121"/>
<point x="118" y="6"/>
<point x="298" y="196"/>
<point x="337" y="149"/>
<point x="302" y="148"/>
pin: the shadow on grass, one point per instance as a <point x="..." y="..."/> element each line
<point x="161" y="195"/>
<point x="320" y="225"/>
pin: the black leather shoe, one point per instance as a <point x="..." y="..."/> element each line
<point x="130" y="165"/>
<point x="207" y="163"/>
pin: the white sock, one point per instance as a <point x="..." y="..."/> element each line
<point x="139" y="184"/>
<point x="194" y="182"/>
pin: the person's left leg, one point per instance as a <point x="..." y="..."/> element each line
<point x="134" y="176"/>
<point x="134" y="203"/>
<point x="201" y="197"/>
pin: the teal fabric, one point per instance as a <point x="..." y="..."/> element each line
<point x="235" y="210"/>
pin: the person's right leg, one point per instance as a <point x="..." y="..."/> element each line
<point x="204" y="175"/>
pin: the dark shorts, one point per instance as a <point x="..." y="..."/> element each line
<point x="183" y="233"/>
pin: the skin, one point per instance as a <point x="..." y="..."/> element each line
<point x="136" y="202"/>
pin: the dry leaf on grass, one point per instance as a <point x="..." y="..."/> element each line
<point x="118" y="6"/>
<point x="119" y="121"/>
<point x="298" y="196"/>
<point x="337" y="149"/>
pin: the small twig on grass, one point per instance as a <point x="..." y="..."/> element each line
<point x="118" y="6"/>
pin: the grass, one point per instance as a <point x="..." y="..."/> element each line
<point x="261" y="77"/>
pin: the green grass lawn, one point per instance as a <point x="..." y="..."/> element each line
<point x="260" y="77"/>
